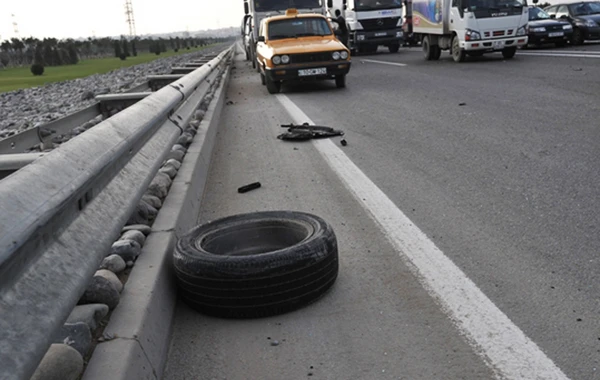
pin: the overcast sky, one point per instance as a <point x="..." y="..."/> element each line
<point x="85" y="18"/>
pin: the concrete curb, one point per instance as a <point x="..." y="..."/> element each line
<point x="141" y="324"/>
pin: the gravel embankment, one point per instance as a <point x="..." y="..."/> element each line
<point x="28" y="108"/>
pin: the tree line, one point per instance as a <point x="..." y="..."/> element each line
<point x="53" y="52"/>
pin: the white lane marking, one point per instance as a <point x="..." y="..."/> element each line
<point x="501" y="344"/>
<point x="384" y="62"/>
<point x="570" y="55"/>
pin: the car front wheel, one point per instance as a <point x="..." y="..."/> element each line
<point x="273" y="86"/>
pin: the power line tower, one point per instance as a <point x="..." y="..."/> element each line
<point x="15" y="26"/>
<point x="130" y="18"/>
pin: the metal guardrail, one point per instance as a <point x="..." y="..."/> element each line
<point x="54" y="235"/>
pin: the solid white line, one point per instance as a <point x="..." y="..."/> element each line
<point x="501" y="344"/>
<point x="384" y="62"/>
<point x="559" y="55"/>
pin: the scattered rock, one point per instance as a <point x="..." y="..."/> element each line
<point x="110" y="276"/>
<point x="185" y="139"/>
<point x="143" y="214"/>
<point x="168" y="170"/>
<point x="76" y="335"/>
<point x="176" y="154"/>
<point x="275" y="343"/>
<point x="159" y="187"/>
<point x="100" y="290"/>
<point x="113" y="263"/>
<point x="129" y="250"/>
<point x="129" y="264"/>
<point x="176" y="164"/>
<point x="91" y="314"/>
<point x="134" y="235"/>
<point x="140" y="227"/>
<point x="180" y="148"/>
<point x="61" y="362"/>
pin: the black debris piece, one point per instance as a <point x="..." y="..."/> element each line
<point x="462" y="104"/>
<point x="229" y="103"/>
<point x="307" y="132"/>
<point x="344" y="142"/>
<point x="250" y="187"/>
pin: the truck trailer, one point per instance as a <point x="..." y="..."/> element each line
<point x="369" y="23"/>
<point x="470" y="27"/>
<point x="256" y="10"/>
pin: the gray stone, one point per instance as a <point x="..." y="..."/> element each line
<point x="159" y="187"/>
<point x="199" y="115"/>
<point x="179" y="147"/>
<point x="129" y="264"/>
<point x="110" y="276"/>
<point x="176" y="164"/>
<point x="134" y="235"/>
<point x="176" y="154"/>
<point x="144" y="213"/>
<point x="61" y="362"/>
<point x="113" y="263"/>
<point x="76" y="335"/>
<point x="153" y="201"/>
<point x="185" y="139"/>
<point x="100" y="290"/>
<point x="139" y="227"/>
<point x="129" y="250"/>
<point x="89" y="314"/>
<point x="168" y="170"/>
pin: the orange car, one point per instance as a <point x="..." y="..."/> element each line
<point x="300" y="47"/>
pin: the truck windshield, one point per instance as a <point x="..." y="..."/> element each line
<point x="298" y="27"/>
<point x="536" y="13"/>
<point x="584" y="9"/>
<point x="495" y="8"/>
<point x="370" y="5"/>
<point x="283" y="5"/>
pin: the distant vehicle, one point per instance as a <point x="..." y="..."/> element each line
<point x="300" y="47"/>
<point x="470" y="27"/>
<point x="543" y="29"/>
<point x="584" y="17"/>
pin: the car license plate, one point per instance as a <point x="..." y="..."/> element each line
<point x="311" y="72"/>
<point x="380" y="34"/>
<point x="556" y="34"/>
<point x="497" y="45"/>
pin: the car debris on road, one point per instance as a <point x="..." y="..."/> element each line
<point x="307" y="132"/>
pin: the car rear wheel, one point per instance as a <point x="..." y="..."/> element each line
<point x="508" y="53"/>
<point x="274" y="87"/>
<point x="340" y="81"/>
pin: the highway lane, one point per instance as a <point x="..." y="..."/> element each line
<point x="505" y="184"/>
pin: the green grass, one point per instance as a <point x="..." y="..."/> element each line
<point x="21" y="77"/>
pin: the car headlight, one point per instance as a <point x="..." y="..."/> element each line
<point x="344" y="54"/>
<point x="539" y="29"/>
<point x="276" y="60"/>
<point x="591" y="23"/>
<point x="521" y="31"/>
<point x="335" y="55"/>
<point x="285" y="59"/>
<point x="568" y="27"/>
<point x="360" y="37"/>
<point x="472" y="35"/>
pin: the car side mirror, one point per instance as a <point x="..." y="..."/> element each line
<point x="261" y="38"/>
<point x="246" y="8"/>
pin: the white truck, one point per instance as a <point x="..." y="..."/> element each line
<point x="256" y="10"/>
<point x="470" y="27"/>
<point x="369" y="23"/>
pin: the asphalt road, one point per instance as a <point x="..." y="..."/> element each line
<point x="495" y="161"/>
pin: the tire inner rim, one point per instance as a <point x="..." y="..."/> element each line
<point x="256" y="237"/>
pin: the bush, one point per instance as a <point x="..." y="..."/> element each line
<point x="37" y="69"/>
<point x="123" y="56"/>
<point x="158" y="53"/>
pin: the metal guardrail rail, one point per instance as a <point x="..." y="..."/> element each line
<point x="54" y="235"/>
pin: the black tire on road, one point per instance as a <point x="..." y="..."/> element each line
<point x="394" y="48"/>
<point x="263" y="80"/>
<point x="274" y="87"/>
<point x="437" y="53"/>
<point x="257" y="264"/>
<point x="340" y="81"/>
<point x="510" y="52"/>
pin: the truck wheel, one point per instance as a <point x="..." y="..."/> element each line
<point x="340" y="81"/>
<point x="427" y="50"/>
<point x="437" y="53"/>
<point x="510" y="52"/>
<point x="256" y="264"/>
<point x="457" y="53"/>
<point x="394" y="48"/>
<point x="273" y="86"/>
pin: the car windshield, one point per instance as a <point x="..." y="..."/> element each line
<point x="537" y="14"/>
<point x="282" y="6"/>
<point x="298" y="27"/>
<point x="368" y="5"/>
<point x="494" y="5"/>
<point x="583" y="9"/>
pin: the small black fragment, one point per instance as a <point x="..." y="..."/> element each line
<point x="344" y="142"/>
<point x="252" y="186"/>
<point x="462" y="104"/>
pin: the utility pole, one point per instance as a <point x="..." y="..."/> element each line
<point x="130" y="18"/>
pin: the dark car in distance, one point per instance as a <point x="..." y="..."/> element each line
<point x="542" y="29"/>
<point x="583" y="16"/>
